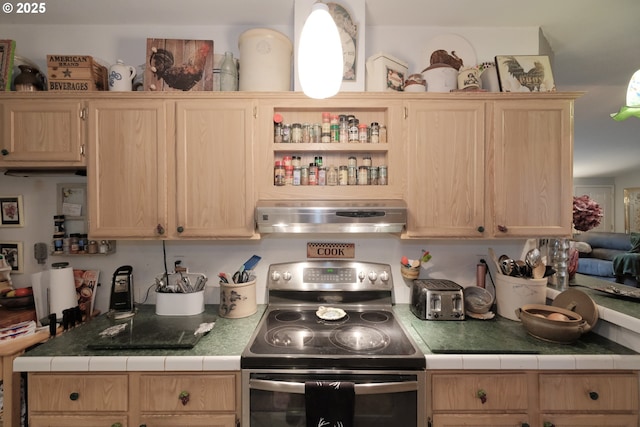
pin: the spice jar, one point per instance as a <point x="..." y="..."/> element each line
<point x="363" y="175"/>
<point x="58" y="224"/>
<point x="332" y="175"/>
<point x="74" y="242"/>
<point x="278" y="174"/>
<point x="343" y="175"/>
<point x="296" y="133"/>
<point x="363" y="133"/>
<point x="93" y="247"/>
<point x="374" y="133"/>
<point x="382" y="175"/>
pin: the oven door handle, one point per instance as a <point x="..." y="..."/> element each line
<point x="360" y="389"/>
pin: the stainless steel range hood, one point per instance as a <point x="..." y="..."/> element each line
<point x="360" y="216"/>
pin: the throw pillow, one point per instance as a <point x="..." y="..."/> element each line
<point x="635" y="242"/>
<point x="583" y="247"/>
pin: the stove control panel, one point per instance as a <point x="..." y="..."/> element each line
<point x="329" y="275"/>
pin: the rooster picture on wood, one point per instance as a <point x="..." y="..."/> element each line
<point x="182" y="76"/>
<point x="534" y="79"/>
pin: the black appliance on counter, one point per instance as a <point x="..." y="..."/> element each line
<point x="331" y="320"/>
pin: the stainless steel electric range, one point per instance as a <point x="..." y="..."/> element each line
<point x="331" y="320"/>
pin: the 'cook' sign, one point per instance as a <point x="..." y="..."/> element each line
<point x="331" y="250"/>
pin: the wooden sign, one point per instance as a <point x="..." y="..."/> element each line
<point x="179" y="65"/>
<point x="331" y="250"/>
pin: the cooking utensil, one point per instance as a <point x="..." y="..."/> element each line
<point x="494" y="258"/>
<point x="533" y="257"/>
<point x="242" y="275"/>
<point x="251" y="262"/>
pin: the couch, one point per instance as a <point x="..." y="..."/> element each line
<point x="609" y="256"/>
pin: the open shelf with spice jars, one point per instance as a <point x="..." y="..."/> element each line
<point x="352" y="162"/>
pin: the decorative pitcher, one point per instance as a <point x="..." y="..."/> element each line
<point x="121" y="77"/>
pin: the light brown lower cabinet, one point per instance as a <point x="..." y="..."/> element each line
<point x="533" y="399"/>
<point x="149" y="399"/>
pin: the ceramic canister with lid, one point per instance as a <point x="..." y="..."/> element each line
<point x="265" y="60"/>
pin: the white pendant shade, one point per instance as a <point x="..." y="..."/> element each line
<point x="320" y="63"/>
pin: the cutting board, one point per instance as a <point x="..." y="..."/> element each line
<point x="154" y="332"/>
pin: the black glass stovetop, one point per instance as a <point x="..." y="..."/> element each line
<point x="361" y="339"/>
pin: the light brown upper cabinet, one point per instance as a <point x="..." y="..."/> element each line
<point x="171" y="169"/>
<point x="40" y="132"/>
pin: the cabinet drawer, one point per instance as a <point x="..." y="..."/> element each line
<point x="222" y="420"/>
<point x="591" y="420"/>
<point x="589" y="392"/>
<point x="479" y="420"/>
<point x="205" y="392"/>
<point x="78" y="393"/>
<point x="101" y="420"/>
<point x="460" y="392"/>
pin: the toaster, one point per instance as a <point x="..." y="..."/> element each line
<point x="437" y="299"/>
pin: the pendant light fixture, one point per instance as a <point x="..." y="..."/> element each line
<point x="633" y="100"/>
<point x="320" y="63"/>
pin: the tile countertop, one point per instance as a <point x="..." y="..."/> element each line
<point x="471" y="344"/>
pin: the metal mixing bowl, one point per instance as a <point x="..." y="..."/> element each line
<point x="477" y="299"/>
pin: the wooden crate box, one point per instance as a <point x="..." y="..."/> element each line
<point x="76" y="73"/>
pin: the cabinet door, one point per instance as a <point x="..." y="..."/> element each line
<point x="479" y="420"/>
<point x="446" y="169"/>
<point x="533" y="161"/>
<point x="42" y="132"/>
<point x="127" y="170"/>
<point x="214" y="166"/>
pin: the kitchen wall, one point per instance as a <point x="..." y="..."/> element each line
<point x="128" y="43"/>
<point x="452" y="259"/>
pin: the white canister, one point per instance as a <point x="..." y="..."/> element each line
<point x="238" y="299"/>
<point x="179" y="304"/>
<point x="121" y="77"/>
<point x="441" y="79"/>
<point x="469" y="78"/>
<point x="265" y="60"/>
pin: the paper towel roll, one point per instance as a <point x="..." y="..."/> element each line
<point x="62" y="290"/>
<point x="39" y="286"/>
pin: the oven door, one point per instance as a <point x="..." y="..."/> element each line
<point x="276" y="398"/>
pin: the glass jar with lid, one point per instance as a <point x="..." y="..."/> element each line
<point x="332" y="175"/>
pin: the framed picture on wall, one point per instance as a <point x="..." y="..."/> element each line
<point x="525" y="73"/>
<point x="12" y="211"/>
<point x="632" y="210"/>
<point x="12" y="252"/>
